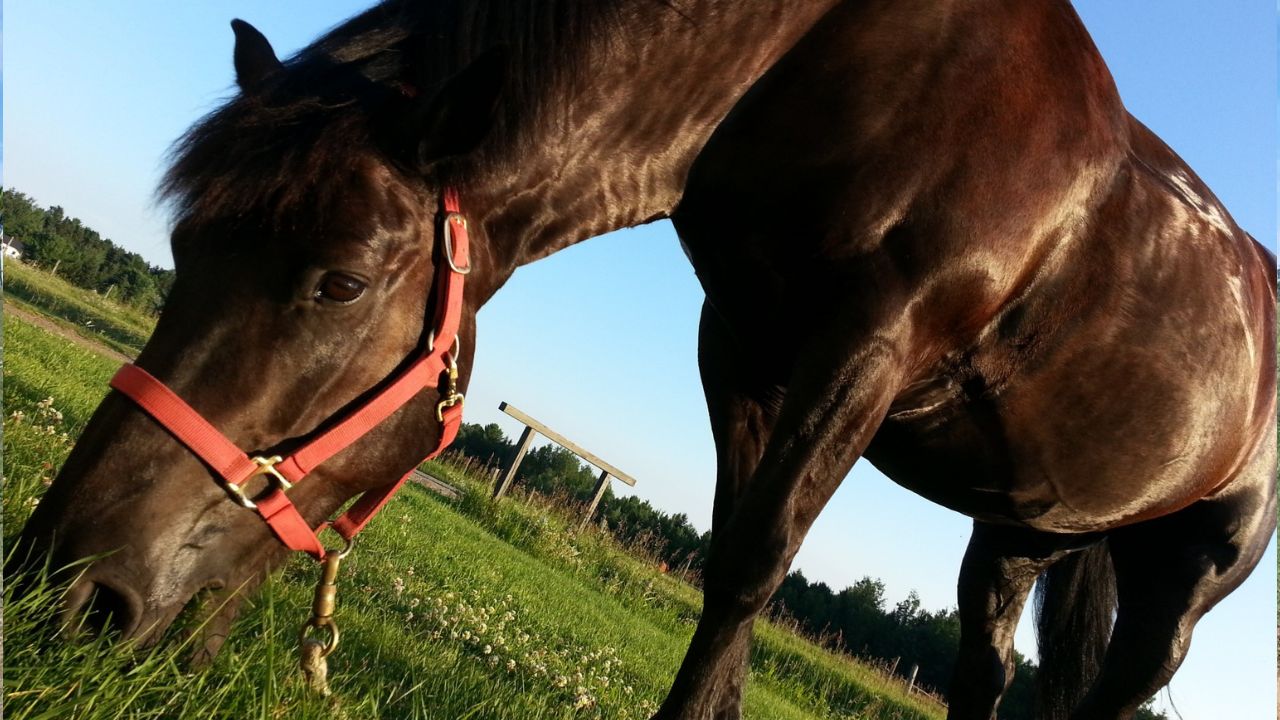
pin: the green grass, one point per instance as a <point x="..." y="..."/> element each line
<point x="38" y="432"/>
<point x="84" y="311"/>
<point x="466" y="609"/>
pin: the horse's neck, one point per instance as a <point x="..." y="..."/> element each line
<point x="619" y="151"/>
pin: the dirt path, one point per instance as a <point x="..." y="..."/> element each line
<point x="45" y="323"/>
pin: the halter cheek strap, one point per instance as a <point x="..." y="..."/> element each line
<point x="234" y="467"/>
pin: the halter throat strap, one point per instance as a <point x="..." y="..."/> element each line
<point x="234" y="467"/>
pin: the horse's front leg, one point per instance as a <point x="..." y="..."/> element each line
<point x="837" y="394"/>
<point x="742" y="402"/>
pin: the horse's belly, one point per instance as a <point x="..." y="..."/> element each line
<point x="960" y="466"/>
<point x="1082" y="458"/>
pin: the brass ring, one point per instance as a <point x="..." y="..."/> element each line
<point x="350" y="544"/>
<point x="319" y="623"/>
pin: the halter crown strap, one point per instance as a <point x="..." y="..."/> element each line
<point x="235" y="467"/>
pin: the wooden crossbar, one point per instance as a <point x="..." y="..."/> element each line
<point x="566" y="443"/>
<point x="533" y="427"/>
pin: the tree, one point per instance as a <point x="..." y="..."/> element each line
<point x="552" y="470"/>
<point x="82" y="256"/>
<point x="486" y="445"/>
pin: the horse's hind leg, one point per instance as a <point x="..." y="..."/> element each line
<point x="999" y="569"/>
<point x="1171" y="571"/>
<point x="836" y="398"/>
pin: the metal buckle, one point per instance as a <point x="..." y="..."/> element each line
<point x="266" y="466"/>
<point x="237" y="494"/>
<point x="448" y="241"/>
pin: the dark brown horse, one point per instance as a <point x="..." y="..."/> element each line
<point x="929" y="234"/>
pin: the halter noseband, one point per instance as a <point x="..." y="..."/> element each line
<point x="235" y="467"/>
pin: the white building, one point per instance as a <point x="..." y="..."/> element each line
<point x="13" y="248"/>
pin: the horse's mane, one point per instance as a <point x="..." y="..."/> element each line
<point x="351" y="92"/>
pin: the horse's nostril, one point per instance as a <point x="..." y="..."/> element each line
<point x="103" y="609"/>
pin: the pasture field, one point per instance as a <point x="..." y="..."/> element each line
<point x="448" y="609"/>
<point x="122" y="328"/>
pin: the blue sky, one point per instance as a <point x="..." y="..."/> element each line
<point x="599" y="341"/>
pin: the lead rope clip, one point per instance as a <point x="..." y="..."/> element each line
<point x="452" y="396"/>
<point x="313" y="653"/>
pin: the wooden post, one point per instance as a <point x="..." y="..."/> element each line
<point x="601" y="486"/>
<point x="911" y="684"/>
<point x="509" y="472"/>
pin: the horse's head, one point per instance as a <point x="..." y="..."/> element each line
<point x="306" y="253"/>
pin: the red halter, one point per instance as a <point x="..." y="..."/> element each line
<point x="235" y="467"/>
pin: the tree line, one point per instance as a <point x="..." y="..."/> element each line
<point x="81" y="255"/>
<point x="857" y="620"/>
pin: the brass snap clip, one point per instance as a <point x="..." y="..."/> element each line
<point x="450" y="397"/>
<point x="313" y="653"/>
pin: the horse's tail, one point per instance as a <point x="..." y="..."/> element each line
<point x="1075" y="602"/>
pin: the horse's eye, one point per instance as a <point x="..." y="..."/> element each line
<point x="340" y="288"/>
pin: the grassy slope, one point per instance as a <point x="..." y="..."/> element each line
<point x="83" y="311"/>
<point x="441" y="618"/>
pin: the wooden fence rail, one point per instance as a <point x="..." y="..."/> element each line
<point x="532" y="427"/>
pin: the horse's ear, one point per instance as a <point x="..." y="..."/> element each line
<point x="460" y="114"/>
<point x="255" y="61"/>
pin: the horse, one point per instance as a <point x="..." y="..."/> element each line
<point x="929" y="234"/>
